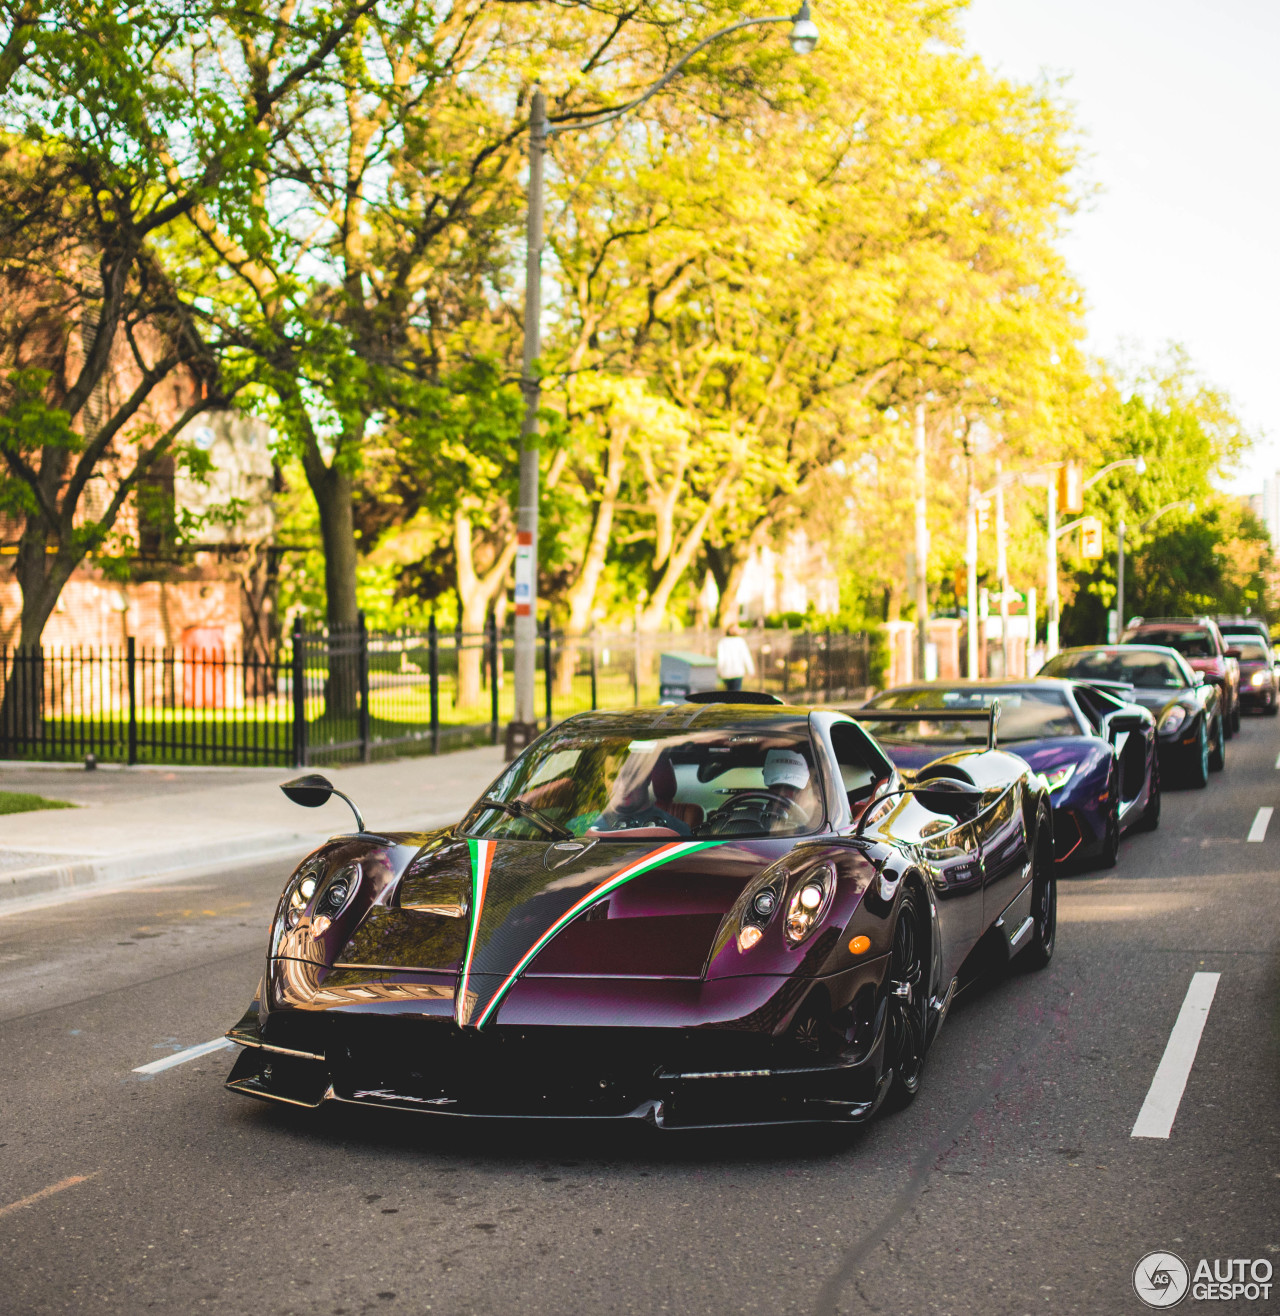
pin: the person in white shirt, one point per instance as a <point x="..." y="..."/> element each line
<point x="733" y="658"/>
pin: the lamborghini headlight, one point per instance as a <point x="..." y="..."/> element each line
<point x="1058" y="777"/>
<point x="809" y="902"/>
<point x="1172" y="720"/>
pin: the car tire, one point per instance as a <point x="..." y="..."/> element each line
<point x="1037" y="953"/>
<point x="1197" y="766"/>
<point x="1218" y="750"/>
<point x="1225" y="705"/>
<point x="1150" y="819"/>
<point x="1273" y="706"/>
<point x="905" y="1025"/>
<point x="1235" y="716"/>
<point x="1110" y="851"/>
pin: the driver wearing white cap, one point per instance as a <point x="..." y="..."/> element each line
<point x="787" y="774"/>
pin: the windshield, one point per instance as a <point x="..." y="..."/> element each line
<point x="1139" y="667"/>
<point x="1190" y="644"/>
<point x="1024" y="715"/>
<point x="707" y="784"/>
<point x="1251" y="650"/>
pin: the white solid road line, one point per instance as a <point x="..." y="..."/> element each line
<point x="181" y="1057"/>
<point x="1155" y="1119"/>
<point x="1258" y="832"/>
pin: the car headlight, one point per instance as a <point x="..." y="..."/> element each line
<point x="301" y="887"/>
<point x="1172" y="720"/>
<point x="1059" y="777"/>
<point x="338" y="890"/>
<point x="1260" y="678"/>
<point x="809" y="902"/>
<point x="760" y="904"/>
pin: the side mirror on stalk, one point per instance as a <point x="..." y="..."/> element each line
<point x="948" y="795"/>
<point x="313" y="790"/>
<point x="945" y="795"/>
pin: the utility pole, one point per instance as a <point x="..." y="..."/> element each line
<point x="1051" y="575"/>
<point x="524" y="725"/>
<point x="971" y="575"/>
<point x="803" y="39"/>
<point x="922" y="551"/>
<point x="1002" y="571"/>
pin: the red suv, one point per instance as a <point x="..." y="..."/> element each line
<point x="1200" y="642"/>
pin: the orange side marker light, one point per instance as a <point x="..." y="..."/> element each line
<point x="860" y="945"/>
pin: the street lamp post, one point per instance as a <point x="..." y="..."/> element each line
<point x="1002" y="573"/>
<point x="1119" y="580"/>
<point x="971" y="577"/>
<point x="803" y="38"/>
<point x="1120" y="564"/>
<point x="922" y="551"/>
<point x="1139" y="465"/>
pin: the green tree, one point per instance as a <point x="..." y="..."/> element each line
<point x="1215" y="559"/>
<point x="118" y="131"/>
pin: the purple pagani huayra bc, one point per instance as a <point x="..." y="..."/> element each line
<point x="718" y="913"/>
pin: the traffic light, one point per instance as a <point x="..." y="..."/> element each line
<point x="1091" y="537"/>
<point x="1071" y="488"/>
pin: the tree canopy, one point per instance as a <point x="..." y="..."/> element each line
<point x="316" y="213"/>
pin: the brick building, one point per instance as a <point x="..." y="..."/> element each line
<point x="216" y="593"/>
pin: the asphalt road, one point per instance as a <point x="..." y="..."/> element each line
<point x="1012" y="1185"/>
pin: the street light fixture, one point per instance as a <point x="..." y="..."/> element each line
<point x="1188" y="503"/>
<point x="804" y="37"/>
<point x="804" y="32"/>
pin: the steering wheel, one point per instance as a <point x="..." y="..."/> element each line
<point x="744" y="797"/>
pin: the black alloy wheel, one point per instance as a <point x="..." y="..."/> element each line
<point x="1197" y="761"/>
<point x="1110" y="851"/>
<point x="1150" y="819"/>
<point x="1218" y="751"/>
<point x="908" y="993"/>
<point x="1044" y="905"/>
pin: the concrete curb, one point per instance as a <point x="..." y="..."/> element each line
<point x="92" y="873"/>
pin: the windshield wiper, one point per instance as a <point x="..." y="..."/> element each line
<point x="518" y="809"/>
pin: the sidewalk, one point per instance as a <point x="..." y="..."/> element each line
<point x="134" y="823"/>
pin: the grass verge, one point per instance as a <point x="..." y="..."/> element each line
<point x="21" y="802"/>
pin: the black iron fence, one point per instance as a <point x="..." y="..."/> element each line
<point x="347" y="694"/>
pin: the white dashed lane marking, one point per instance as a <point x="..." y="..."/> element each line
<point x="1155" y="1119"/>
<point x="181" y="1057"/>
<point x="1258" y="832"/>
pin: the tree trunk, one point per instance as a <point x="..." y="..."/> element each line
<point x="41" y="577"/>
<point x="677" y="561"/>
<point x="581" y="596"/>
<point x="331" y="488"/>
<point x="475" y="592"/>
